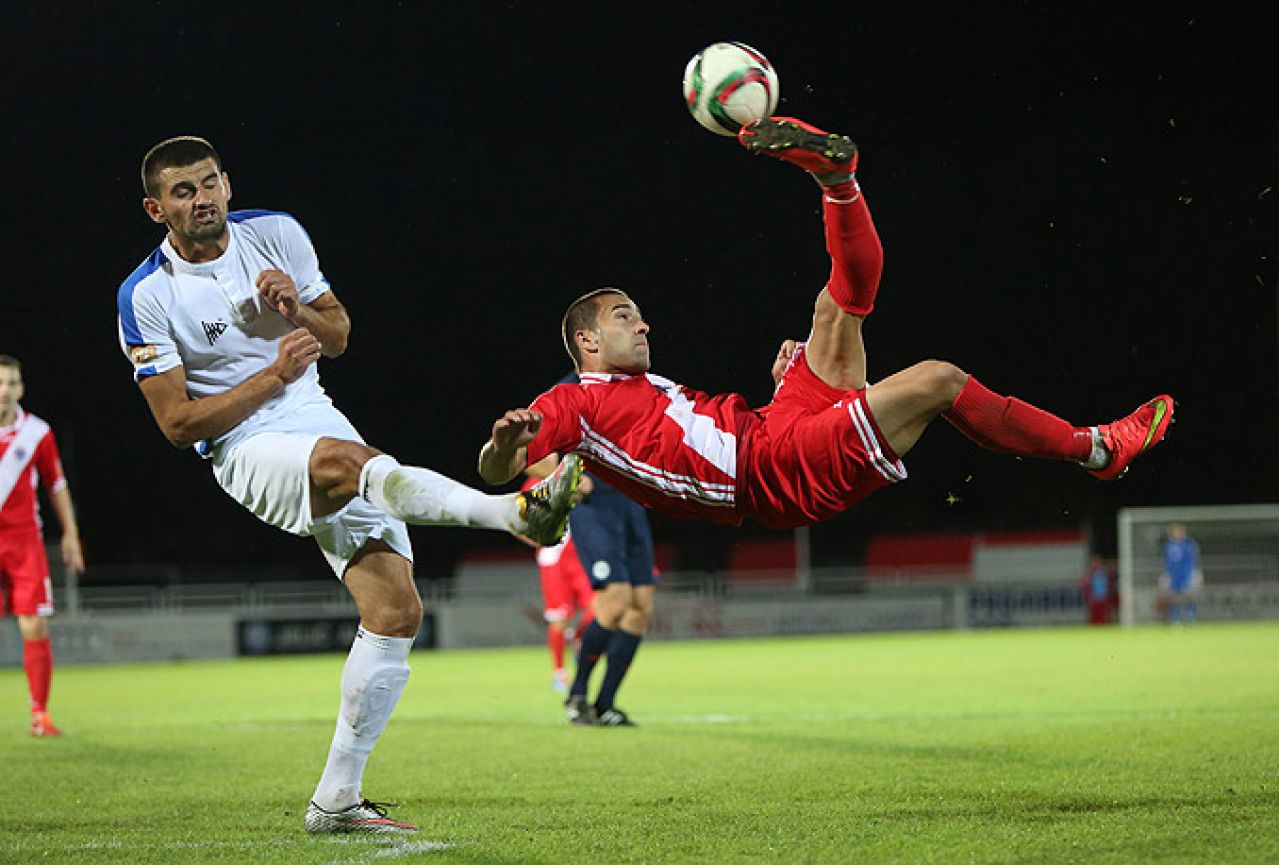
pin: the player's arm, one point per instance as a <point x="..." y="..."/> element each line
<point x="72" y="551"/>
<point x="185" y="421"/>
<point x="505" y="454"/>
<point x="325" y="317"/>
<point x="49" y="466"/>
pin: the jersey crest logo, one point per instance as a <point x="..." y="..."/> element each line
<point x="214" y="330"/>
<point x="141" y="354"/>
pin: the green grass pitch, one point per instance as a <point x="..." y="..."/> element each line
<point x="1067" y="745"/>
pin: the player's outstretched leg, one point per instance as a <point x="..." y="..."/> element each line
<point x="905" y="403"/>
<point x="1009" y="425"/>
<point x="834" y="349"/>
<point x="423" y="497"/>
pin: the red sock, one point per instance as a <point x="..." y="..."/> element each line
<point x="857" y="258"/>
<point x="37" y="660"/>
<point x="555" y="640"/>
<point x="1008" y="425"/>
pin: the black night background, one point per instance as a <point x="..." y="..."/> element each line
<point x="1079" y="203"/>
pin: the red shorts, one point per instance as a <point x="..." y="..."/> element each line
<point x="565" y="587"/>
<point x="25" y="589"/>
<point x="817" y="453"/>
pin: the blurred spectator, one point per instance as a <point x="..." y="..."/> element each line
<point x="1099" y="591"/>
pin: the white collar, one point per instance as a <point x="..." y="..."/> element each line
<point x="18" y="418"/>
<point x="602" y="377"/>
<point x="202" y="268"/>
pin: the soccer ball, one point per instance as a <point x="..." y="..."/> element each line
<point x="729" y="84"/>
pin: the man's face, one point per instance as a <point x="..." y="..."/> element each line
<point x="10" y="390"/>
<point x="621" y="344"/>
<point x="192" y="200"/>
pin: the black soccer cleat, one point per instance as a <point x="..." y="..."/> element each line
<point x="613" y="717"/>
<point x="579" y="712"/>
<point x="824" y="154"/>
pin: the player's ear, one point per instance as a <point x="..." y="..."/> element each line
<point x="588" y="341"/>
<point x="153" y="209"/>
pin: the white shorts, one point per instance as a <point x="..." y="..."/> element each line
<point x="268" y="474"/>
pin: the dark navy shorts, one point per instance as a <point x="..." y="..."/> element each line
<point x="613" y="539"/>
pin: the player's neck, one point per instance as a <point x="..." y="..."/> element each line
<point x="8" y="418"/>
<point x="200" y="251"/>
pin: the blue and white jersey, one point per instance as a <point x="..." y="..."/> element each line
<point x="208" y="318"/>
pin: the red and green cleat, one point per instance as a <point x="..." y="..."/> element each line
<point x="821" y="153"/>
<point x="1130" y="437"/>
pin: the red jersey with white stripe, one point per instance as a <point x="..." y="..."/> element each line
<point x="658" y="442"/>
<point x="812" y="453"/>
<point x="27" y="452"/>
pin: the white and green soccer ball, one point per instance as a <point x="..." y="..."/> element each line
<point x="729" y="84"/>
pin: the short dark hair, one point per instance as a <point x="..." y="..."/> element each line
<point x="179" y="151"/>
<point x="10" y="360"/>
<point x="583" y="314"/>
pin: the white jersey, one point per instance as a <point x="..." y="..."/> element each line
<point x="208" y="318"/>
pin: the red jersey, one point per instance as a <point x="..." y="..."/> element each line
<point x="27" y="449"/>
<point x="811" y="453"/>
<point x="660" y="443"/>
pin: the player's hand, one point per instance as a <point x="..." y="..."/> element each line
<point x="298" y="350"/>
<point x="784" y="355"/>
<point x="72" y="553"/>
<point x="280" y="292"/>
<point x="515" y="429"/>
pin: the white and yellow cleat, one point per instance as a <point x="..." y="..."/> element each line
<point x="543" y="509"/>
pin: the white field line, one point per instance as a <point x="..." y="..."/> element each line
<point x="373" y="847"/>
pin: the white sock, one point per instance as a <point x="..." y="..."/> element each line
<point x="426" y="498"/>
<point x="1099" y="458"/>
<point x="372" y="681"/>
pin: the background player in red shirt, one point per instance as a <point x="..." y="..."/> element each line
<point x="566" y="591"/>
<point x="28" y="450"/>
<point x="827" y="439"/>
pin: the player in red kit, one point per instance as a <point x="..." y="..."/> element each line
<point x="566" y="591"/>
<point x="828" y="439"/>
<point x="27" y="452"/>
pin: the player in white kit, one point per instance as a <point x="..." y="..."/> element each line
<point x="223" y="324"/>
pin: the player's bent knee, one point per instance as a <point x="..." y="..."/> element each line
<point x="401" y="618"/>
<point x="940" y="382"/>
<point x="33" y="627"/>
<point x="335" y="464"/>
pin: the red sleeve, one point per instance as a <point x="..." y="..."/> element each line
<point x="49" y="465"/>
<point x="561" y="431"/>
